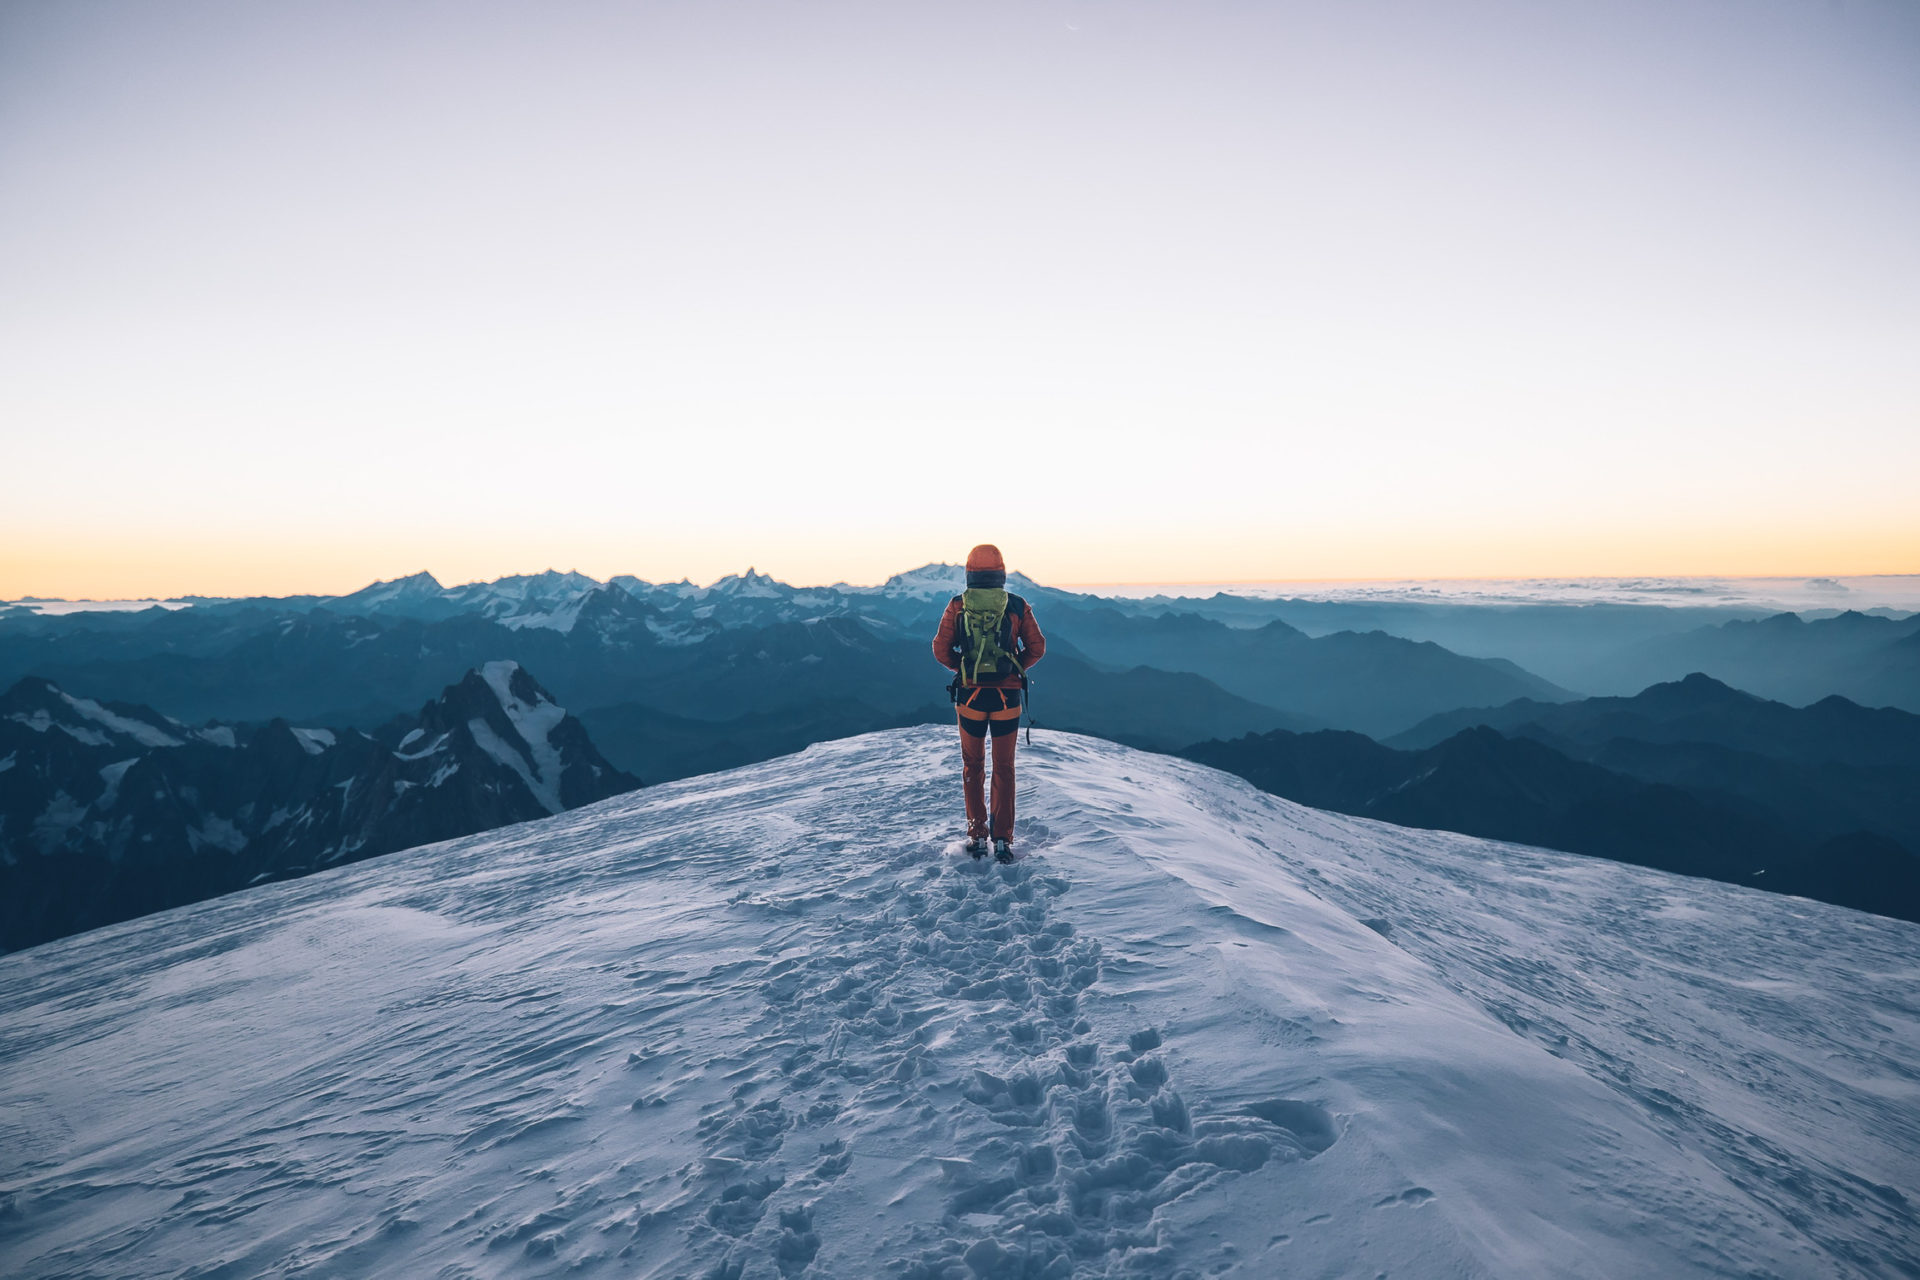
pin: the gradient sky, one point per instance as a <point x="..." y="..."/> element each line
<point x="297" y="295"/>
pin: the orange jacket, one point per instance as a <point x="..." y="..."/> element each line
<point x="1028" y="644"/>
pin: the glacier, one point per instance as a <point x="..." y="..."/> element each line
<point x="772" y="1024"/>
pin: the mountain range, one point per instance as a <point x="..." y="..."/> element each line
<point x="1692" y="776"/>
<point x="110" y="810"/>
<point x="744" y="647"/>
<point x="671" y="680"/>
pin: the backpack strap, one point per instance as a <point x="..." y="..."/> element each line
<point x="1015" y="612"/>
<point x="1017" y="607"/>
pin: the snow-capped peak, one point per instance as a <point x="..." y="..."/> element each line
<point x="930" y="581"/>
<point x="413" y="587"/>
<point x="414" y="584"/>
<point x="926" y="582"/>
<point x="749" y="586"/>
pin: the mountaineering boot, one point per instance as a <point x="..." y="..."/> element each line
<point x="1003" y="850"/>
<point x="977" y="847"/>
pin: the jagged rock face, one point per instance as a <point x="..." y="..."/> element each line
<point x="109" y="811"/>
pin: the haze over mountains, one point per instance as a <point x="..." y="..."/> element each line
<point x="670" y="680"/>
<point x="1693" y="777"/>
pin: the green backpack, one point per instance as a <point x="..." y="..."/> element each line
<point x="986" y="634"/>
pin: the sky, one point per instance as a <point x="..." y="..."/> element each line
<point x="294" y="296"/>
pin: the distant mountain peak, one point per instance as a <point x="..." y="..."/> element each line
<point x="939" y="576"/>
<point x="413" y="584"/>
<point x="751" y="583"/>
<point x="546" y="579"/>
<point x="937" y="579"/>
<point x="512" y="719"/>
<point x="1699" y="683"/>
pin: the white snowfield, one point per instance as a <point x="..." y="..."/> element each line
<point x="772" y="1025"/>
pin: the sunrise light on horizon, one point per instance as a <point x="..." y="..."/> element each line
<point x="302" y="296"/>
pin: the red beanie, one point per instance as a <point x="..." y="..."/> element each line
<point x="986" y="556"/>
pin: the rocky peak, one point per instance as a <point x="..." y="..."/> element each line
<point x="109" y="811"/>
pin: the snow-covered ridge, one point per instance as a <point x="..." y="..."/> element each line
<point x="771" y="1023"/>
<point x="91" y="724"/>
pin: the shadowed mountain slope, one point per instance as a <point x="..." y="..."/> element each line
<point x="1826" y="770"/>
<point x="1484" y="783"/>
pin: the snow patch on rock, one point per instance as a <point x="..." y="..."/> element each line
<point x="42" y="721"/>
<point x="561" y="619"/>
<point x="111" y="776"/>
<point x="217" y="833"/>
<point x="140" y="731"/>
<point x="413" y="736"/>
<point x="314" y="741"/>
<point x="534" y="719"/>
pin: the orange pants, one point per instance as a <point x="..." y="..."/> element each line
<point x="974" y="733"/>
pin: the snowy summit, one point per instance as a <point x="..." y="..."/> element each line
<point x="771" y="1024"/>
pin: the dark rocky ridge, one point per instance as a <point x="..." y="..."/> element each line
<point x="1832" y="831"/>
<point x="111" y="810"/>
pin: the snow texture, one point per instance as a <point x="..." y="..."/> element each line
<point x="773" y="1025"/>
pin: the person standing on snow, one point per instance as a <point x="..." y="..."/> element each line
<point x="989" y="640"/>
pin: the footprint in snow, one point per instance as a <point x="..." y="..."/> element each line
<point x="1069" y="1149"/>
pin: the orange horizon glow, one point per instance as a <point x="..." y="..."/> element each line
<point x="172" y="565"/>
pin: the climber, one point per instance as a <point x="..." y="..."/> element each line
<point x="989" y="640"/>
